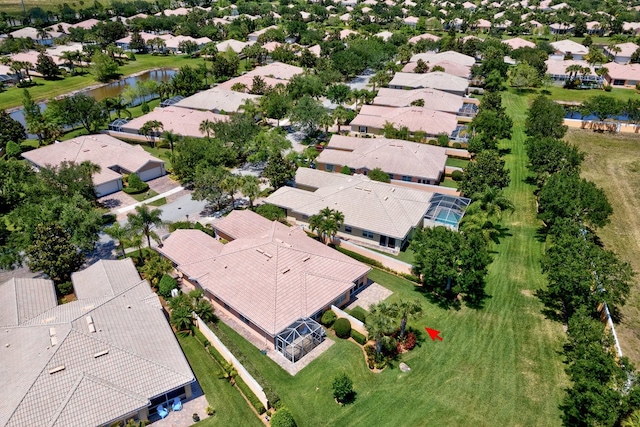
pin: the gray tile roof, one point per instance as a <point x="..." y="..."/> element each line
<point x="57" y="372"/>
<point x="25" y="298"/>
<point x="105" y="278"/>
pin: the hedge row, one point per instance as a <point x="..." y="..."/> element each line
<point x="250" y="395"/>
<point x="272" y="396"/>
<point x="358" y="337"/>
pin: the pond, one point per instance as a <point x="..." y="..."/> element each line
<point x="112" y="89"/>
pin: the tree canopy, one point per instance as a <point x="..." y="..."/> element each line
<point x="545" y="118"/>
<point x="487" y="169"/>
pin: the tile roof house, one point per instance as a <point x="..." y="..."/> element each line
<point x="216" y="99"/>
<point x="36" y="35"/>
<point x="106" y="357"/>
<point x="403" y="161"/>
<point x="276" y="70"/>
<point x="622" y="75"/>
<point x="114" y="157"/>
<point x="569" y="47"/>
<point x="373" y="118"/>
<point x="449" y="55"/>
<point x="436" y="100"/>
<point x="517" y="43"/>
<point x="425" y="36"/>
<point x="182" y="121"/>
<point x="557" y="70"/>
<point x="436" y="80"/>
<point x="232" y="44"/>
<point x="291" y="275"/>
<point x="379" y="215"/>
<point x="625" y="53"/>
<point x="449" y="67"/>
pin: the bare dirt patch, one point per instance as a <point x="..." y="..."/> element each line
<point x="612" y="163"/>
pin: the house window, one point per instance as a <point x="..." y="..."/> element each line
<point x="367" y="234"/>
<point x="347" y="229"/>
<point x="362" y="129"/>
<point x="329" y="168"/>
<point x="618" y="82"/>
<point x="406" y="178"/>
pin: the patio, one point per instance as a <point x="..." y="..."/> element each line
<point x="184" y="418"/>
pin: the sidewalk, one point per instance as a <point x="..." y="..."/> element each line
<point x="152" y="199"/>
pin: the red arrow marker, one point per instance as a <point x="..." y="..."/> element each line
<point x="433" y="334"/>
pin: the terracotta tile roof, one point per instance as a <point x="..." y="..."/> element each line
<point x="242" y="224"/>
<point x="452" y="68"/>
<point x="186" y="246"/>
<point x="517" y="43"/>
<point x="182" y="121"/>
<point x="425" y="36"/>
<point x="414" y="118"/>
<point x="367" y="205"/>
<point x="623" y="72"/>
<point x="291" y="275"/>
<point x="433" y="98"/>
<point x="449" y="55"/>
<point x="391" y="155"/>
<point x="216" y="99"/>
<point x="103" y="150"/>
<point x="436" y="80"/>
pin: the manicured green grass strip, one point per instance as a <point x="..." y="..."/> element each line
<point x="231" y="408"/>
<point x="449" y="183"/>
<point x="458" y="163"/>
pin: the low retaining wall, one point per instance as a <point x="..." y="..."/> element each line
<point x="614" y="127"/>
<point x="392" y="263"/>
<point x="355" y="323"/>
<point x="229" y="357"/>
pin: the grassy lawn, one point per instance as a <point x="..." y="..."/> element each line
<point x="230" y="406"/>
<point x="559" y="93"/>
<point x="448" y="182"/>
<point x="46" y="89"/>
<point x="159" y="202"/>
<point x="458" y="163"/>
<point x="613" y="163"/>
<point x="141" y="197"/>
<point x="405" y="255"/>
<point x="496" y="366"/>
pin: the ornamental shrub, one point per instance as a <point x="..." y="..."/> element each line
<point x="358" y="337"/>
<point x="64" y="288"/>
<point x="283" y="418"/>
<point x="457" y="175"/>
<point x="345" y="170"/>
<point x="328" y="318"/>
<point x="359" y="314"/>
<point x="343" y="388"/>
<point x="342" y="327"/>
<point x="166" y="285"/>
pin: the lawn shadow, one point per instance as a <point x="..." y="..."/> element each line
<point x="531" y="180"/>
<point x="442" y="301"/>
<point x="504" y="151"/>
<point x="502" y="232"/>
<point x="541" y="234"/>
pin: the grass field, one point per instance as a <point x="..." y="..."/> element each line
<point x="496" y="366"/>
<point x="46" y="89"/>
<point x="231" y="408"/>
<point x="459" y="163"/>
<point x="613" y="163"/>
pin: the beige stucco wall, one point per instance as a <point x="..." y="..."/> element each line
<point x="600" y="126"/>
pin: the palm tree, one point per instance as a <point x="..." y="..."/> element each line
<point x="43" y="34"/>
<point x="239" y="87"/>
<point x="405" y="310"/>
<point x="69" y="56"/>
<point x="135" y="240"/>
<point x="150" y="129"/>
<point x="181" y="316"/>
<point x="340" y="114"/>
<point x="144" y="220"/>
<point x="170" y="138"/>
<point x="573" y="71"/>
<point x="228" y="372"/>
<point x="119" y="233"/>
<point x="380" y="324"/>
<point x="251" y="188"/>
<point x="206" y="127"/>
<point x="231" y="184"/>
<point x="493" y="202"/>
<point x="16" y="67"/>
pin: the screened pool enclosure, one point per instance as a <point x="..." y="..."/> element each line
<point x="299" y="339"/>
<point x="446" y="210"/>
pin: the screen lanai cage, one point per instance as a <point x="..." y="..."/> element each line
<point x="446" y="210"/>
<point x="299" y="338"/>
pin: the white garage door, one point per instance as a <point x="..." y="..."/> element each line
<point x="108" y="188"/>
<point x="151" y="173"/>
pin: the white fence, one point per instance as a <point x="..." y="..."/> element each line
<point x="355" y="323"/>
<point x="229" y="357"/>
